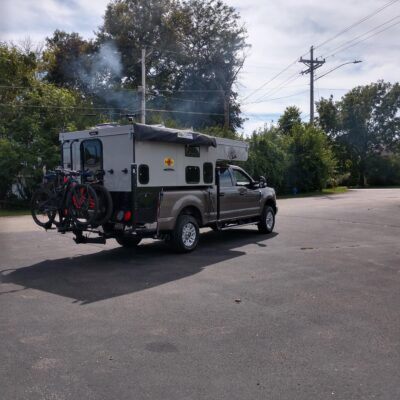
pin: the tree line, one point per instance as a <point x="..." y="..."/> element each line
<point x="195" y="51"/>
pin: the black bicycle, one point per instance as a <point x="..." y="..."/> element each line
<point x="62" y="200"/>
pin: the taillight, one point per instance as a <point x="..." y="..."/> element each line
<point x="127" y="216"/>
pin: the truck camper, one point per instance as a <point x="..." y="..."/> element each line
<point x="162" y="183"/>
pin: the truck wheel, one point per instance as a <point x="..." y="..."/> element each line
<point x="185" y="236"/>
<point x="267" y="222"/>
<point x="128" y="241"/>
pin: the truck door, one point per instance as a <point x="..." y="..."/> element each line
<point x="228" y="194"/>
<point x="248" y="203"/>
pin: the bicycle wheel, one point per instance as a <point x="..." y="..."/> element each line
<point x="105" y="205"/>
<point x="43" y="208"/>
<point x="83" y="205"/>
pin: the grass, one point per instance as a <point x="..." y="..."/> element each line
<point x="324" y="192"/>
<point x="13" y="213"/>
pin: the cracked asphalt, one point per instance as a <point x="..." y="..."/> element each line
<point x="309" y="312"/>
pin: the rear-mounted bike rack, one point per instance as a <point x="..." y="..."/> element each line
<point x="80" y="238"/>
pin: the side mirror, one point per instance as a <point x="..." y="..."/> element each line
<point x="263" y="181"/>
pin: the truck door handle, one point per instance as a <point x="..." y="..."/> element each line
<point x="221" y="194"/>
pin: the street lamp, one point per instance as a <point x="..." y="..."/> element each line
<point x="339" y="66"/>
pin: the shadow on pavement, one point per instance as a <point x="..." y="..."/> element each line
<point x="111" y="273"/>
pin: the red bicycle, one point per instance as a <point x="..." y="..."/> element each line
<point x="63" y="201"/>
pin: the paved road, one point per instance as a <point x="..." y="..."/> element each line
<point x="319" y="316"/>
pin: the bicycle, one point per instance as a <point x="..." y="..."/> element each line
<point x="105" y="200"/>
<point x="62" y="196"/>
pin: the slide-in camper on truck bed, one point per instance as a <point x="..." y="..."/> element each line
<point x="166" y="183"/>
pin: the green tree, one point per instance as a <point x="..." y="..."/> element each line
<point x="195" y="50"/>
<point x="268" y="158"/>
<point x="311" y="162"/>
<point x="365" y="122"/>
<point x="66" y="58"/>
<point x="10" y="165"/>
<point x="32" y="115"/>
<point x="289" y="119"/>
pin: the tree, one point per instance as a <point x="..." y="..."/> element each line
<point x="268" y="158"/>
<point x="289" y="119"/>
<point x="32" y="115"/>
<point x="66" y="58"/>
<point x="195" y="52"/>
<point x="9" y="165"/>
<point x="365" y="121"/>
<point x="311" y="162"/>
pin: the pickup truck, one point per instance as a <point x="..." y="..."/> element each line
<point x="236" y="200"/>
<point x="164" y="183"/>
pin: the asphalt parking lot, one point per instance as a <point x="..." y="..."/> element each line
<point x="309" y="312"/>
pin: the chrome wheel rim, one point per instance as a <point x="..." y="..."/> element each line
<point x="269" y="220"/>
<point x="189" y="234"/>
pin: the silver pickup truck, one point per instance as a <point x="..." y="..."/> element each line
<point x="166" y="184"/>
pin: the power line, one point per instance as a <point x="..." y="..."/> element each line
<point x="270" y="80"/>
<point x="377" y="11"/>
<point x="363" y="34"/>
<point x="343" y="47"/>
<point x="182" y="112"/>
<point x="63" y="107"/>
<point x="320" y="45"/>
<point x="278" y="98"/>
<point x="185" y="100"/>
<point x="272" y="92"/>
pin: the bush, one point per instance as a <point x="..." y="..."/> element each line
<point x="311" y="163"/>
<point x="383" y="170"/>
<point x="267" y="157"/>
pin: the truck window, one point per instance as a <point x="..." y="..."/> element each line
<point x="92" y="155"/>
<point x="225" y="178"/>
<point x="241" y="178"/>
<point x="192" y="151"/>
<point x="208" y="172"/>
<point x="192" y="174"/>
<point x="144" y="176"/>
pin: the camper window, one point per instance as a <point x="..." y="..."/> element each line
<point x="144" y="174"/>
<point x="208" y="172"/>
<point x="192" y="151"/>
<point x="66" y="156"/>
<point x="192" y="174"/>
<point x="91" y="154"/>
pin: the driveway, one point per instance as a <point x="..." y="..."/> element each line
<point x="309" y="312"/>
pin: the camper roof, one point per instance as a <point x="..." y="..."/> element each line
<point x="159" y="133"/>
<point x="222" y="148"/>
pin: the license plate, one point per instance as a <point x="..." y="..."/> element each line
<point x="119" y="226"/>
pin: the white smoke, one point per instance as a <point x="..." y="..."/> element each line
<point x="102" y="75"/>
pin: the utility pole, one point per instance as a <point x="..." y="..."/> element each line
<point x="312" y="65"/>
<point x="143" y="108"/>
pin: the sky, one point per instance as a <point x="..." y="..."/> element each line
<point x="279" y="32"/>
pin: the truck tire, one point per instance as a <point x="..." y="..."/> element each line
<point x="128" y="241"/>
<point x="185" y="236"/>
<point x="267" y="221"/>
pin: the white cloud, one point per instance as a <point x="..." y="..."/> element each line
<point x="279" y="32"/>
